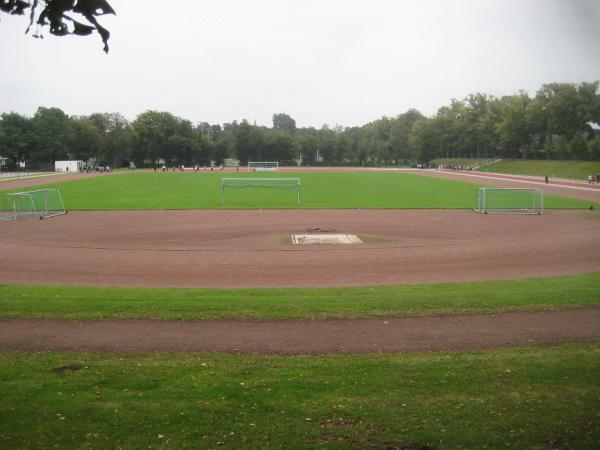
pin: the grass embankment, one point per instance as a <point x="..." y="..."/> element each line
<point x="454" y="162"/>
<point x="574" y="170"/>
<point x="293" y="303"/>
<point x="319" y="190"/>
<point x="516" y="398"/>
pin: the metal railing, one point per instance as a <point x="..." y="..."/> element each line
<point x="16" y="175"/>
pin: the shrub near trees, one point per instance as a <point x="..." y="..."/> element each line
<point x="557" y="123"/>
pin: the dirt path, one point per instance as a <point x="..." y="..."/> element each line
<point x="295" y="337"/>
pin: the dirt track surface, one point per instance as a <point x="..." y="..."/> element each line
<point x="6" y="185"/>
<point x="246" y="248"/>
<point x="306" y="336"/>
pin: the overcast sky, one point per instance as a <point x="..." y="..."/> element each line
<point x="344" y="62"/>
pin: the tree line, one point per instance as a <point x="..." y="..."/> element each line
<point x="559" y="122"/>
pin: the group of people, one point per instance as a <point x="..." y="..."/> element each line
<point x="590" y="179"/>
<point x="453" y="167"/>
<point x="97" y="169"/>
<point x="196" y="168"/>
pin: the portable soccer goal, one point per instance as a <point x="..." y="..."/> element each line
<point x="42" y="203"/>
<point x="510" y="201"/>
<point x="242" y="183"/>
<point x="262" y="166"/>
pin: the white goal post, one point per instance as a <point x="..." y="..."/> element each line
<point x="510" y="201"/>
<point x="263" y="166"/>
<point x="42" y="203"/>
<point x="239" y="183"/>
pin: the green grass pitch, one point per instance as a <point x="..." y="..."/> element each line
<point x="144" y="190"/>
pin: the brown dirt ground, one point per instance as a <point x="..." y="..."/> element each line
<point x="306" y="336"/>
<point x="246" y="249"/>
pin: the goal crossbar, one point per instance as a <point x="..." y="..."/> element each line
<point x="236" y="183"/>
<point x="263" y="166"/>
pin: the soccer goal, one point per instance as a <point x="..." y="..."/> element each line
<point x="510" y="201"/>
<point x="262" y="166"/>
<point x="42" y="203"/>
<point x="241" y="183"/>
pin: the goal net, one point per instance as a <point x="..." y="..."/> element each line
<point x="262" y="166"/>
<point x="42" y="203"/>
<point x="510" y="201"/>
<point x="267" y="183"/>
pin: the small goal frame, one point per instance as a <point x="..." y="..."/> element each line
<point x="43" y="203"/>
<point x="510" y="201"/>
<point x="237" y="183"/>
<point x="263" y="166"/>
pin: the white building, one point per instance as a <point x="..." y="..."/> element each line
<point x="68" y="166"/>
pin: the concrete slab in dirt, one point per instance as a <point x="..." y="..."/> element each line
<point x="308" y="239"/>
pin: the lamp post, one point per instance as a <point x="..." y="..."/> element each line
<point x="317" y="157"/>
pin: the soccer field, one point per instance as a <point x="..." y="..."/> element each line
<point x="83" y="270"/>
<point x="143" y="190"/>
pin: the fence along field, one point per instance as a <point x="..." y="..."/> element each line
<point x="144" y="190"/>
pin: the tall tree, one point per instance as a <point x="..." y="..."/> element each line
<point x="151" y="129"/>
<point x="402" y="126"/>
<point x="515" y="129"/>
<point x="306" y="144"/>
<point x="182" y="149"/>
<point x="51" y="128"/>
<point x="563" y="108"/>
<point x="425" y="138"/>
<point x="279" y="147"/>
<point x="85" y="140"/>
<point x="116" y="137"/>
<point x="249" y="143"/>
<point x="16" y="137"/>
<point x="284" y="122"/>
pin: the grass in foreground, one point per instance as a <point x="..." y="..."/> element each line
<point x="519" y="398"/>
<point x="319" y="190"/>
<point x="275" y="303"/>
